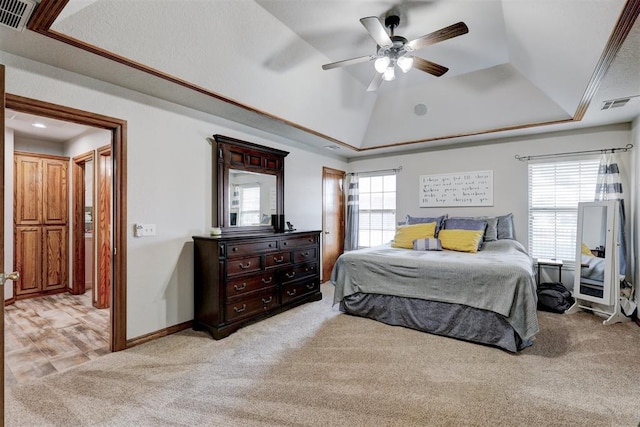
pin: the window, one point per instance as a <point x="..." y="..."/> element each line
<point x="377" y="214"/>
<point x="554" y="192"/>
<point x="249" y="205"/>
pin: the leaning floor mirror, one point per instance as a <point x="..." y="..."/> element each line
<point x="597" y="280"/>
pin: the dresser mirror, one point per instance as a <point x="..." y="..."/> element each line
<point x="250" y="188"/>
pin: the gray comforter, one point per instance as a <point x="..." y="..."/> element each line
<point x="499" y="278"/>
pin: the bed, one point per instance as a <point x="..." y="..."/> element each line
<point x="487" y="297"/>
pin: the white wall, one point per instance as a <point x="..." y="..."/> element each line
<point x="510" y="189"/>
<point x="38" y="146"/>
<point x="169" y="182"/>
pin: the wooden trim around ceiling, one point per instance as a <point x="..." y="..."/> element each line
<point x="118" y="130"/>
<point x="48" y="10"/>
<point x="618" y="36"/>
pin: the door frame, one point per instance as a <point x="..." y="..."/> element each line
<point x="326" y="171"/>
<point x="118" y="128"/>
<point x="78" y="171"/>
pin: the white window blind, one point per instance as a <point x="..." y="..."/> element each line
<point x="377" y="209"/>
<point x="555" y="189"/>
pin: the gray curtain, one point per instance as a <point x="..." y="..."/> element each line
<point x="351" y="229"/>
<point x="609" y="187"/>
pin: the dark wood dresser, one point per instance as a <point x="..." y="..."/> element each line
<point x="242" y="278"/>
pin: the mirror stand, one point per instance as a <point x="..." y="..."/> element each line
<point x="597" y="269"/>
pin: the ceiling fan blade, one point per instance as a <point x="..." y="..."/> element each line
<point x="346" y="62"/>
<point x="442" y="34"/>
<point x="376" y="31"/>
<point x="375" y="83"/>
<point x="429" y="67"/>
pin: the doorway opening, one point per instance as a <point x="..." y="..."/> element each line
<point x="117" y="213"/>
<point x="54" y="322"/>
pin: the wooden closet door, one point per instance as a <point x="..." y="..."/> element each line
<point x="28" y="194"/>
<point x="54" y="258"/>
<point x="28" y="260"/>
<point x="55" y="192"/>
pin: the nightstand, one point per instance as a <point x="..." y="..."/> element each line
<point x="540" y="262"/>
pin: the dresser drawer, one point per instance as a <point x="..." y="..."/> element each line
<point x="304" y="255"/>
<point x="297" y="242"/>
<point x="252" y="248"/>
<point x="244" y="285"/>
<point x="299" y="289"/>
<point x="297" y="272"/>
<point x="277" y="259"/>
<point x="252" y="306"/>
<point x="243" y="265"/>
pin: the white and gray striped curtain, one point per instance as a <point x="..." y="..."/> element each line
<point x="609" y="187"/>
<point x="353" y="211"/>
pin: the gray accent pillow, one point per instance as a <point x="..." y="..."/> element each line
<point x="421" y="220"/>
<point x="466" y="224"/>
<point x="505" y="227"/>
<point x="491" y="233"/>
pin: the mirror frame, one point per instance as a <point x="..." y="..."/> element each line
<point x="610" y="275"/>
<point x="235" y="154"/>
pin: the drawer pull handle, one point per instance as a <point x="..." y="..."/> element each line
<point x="266" y="282"/>
<point x="284" y="243"/>
<point x="241" y="309"/>
<point x="305" y="254"/>
<point x="244" y="267"/>
<point x="311" y="285"/>
<point x="291" y="292"/>
<point x="277" y="260"/>
<point x="290" y="275"/>
<point x="270" y="245"/>
<point x="234" y="250"/>
<point x="241" y="287"/>
<point x="267" y="300"/>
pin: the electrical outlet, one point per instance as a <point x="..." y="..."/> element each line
<point x="143" y="230"/>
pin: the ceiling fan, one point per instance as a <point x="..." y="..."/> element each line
<point x="396" y="50"/>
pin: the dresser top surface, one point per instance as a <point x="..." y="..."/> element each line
<point x="251" y="235"/>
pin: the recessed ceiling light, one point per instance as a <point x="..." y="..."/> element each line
<point x="39" y="125"/>
<point x="331" y="147"/>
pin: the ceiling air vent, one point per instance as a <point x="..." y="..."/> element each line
<point x="620" y="102"/>
<point x="16" y="13"/>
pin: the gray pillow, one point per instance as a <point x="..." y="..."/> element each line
<point x="466" y="224"/>
<point x="491" y="233"/>
<point x="505" y="227"/>
<point x="422" y="220"/>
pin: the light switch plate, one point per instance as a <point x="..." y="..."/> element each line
<point x="143" y="230"/>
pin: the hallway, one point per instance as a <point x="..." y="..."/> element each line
<point x="50" y="334"/>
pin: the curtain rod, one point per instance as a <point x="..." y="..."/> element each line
<point x="398" y="169"/>
<point x="573" y="153"/>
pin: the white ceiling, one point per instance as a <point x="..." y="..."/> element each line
<point x="523" y="62"/>
<point x="53" y="130"/>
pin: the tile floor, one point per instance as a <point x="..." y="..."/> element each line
<point x="49" y="334"/>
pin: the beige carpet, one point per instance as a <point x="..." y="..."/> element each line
<point x="315" y="366"/>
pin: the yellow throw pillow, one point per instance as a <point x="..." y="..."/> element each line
<point x="406" y="234"/>
<point x="461" y="240"/>
<point x="586" y="250"/>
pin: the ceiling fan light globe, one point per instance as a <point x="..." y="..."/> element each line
<point x="381" y="64"/>
<point x="389" y="74"/>
<point x="405" y="63"/>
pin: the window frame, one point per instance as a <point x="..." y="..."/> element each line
<point x="389" y="232"/>
<point x="562" y="242"/>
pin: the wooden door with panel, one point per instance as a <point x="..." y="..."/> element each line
<point x="332" y="218"/>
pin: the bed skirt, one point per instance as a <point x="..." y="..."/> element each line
<point x="440" y="318"/>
